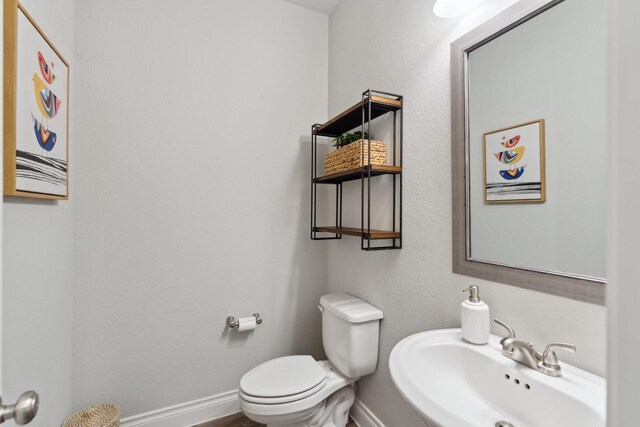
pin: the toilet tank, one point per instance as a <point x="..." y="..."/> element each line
<point x="350" y="329"/>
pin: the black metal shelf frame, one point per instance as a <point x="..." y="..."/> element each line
<point x="372" y="106"/>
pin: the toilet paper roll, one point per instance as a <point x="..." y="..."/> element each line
<point x="246" y="324"/>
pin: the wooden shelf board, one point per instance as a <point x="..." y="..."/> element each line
<point x="352" y="117"/>
<point x="350" y="231"/>
<point x="352" y="174"/>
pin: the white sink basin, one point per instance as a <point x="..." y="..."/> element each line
<point x="452" y="383"/>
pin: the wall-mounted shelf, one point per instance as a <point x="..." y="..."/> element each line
<point x="372" y="234"/>
<point x="374" y="104"/>
<point x="353" y="174"/>
<point x="353" y="117"/>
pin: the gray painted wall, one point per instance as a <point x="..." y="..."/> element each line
<point x="623" y="292"/>
<point x="408" y="53"/>
<point x="192" y="194"/>
<point x="38" y="264"/>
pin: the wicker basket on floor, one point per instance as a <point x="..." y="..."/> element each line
<point x="350" y="156"/>
<point x="104" y="415"/>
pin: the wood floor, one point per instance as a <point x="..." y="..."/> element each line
<point x="239" y="420"/>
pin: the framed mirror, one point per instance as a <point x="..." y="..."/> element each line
<point x="529" y="165"/>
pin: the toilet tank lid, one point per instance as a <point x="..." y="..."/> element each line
<point x="350" y="308"/>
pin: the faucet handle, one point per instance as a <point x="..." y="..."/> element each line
<point x="509" y="329"/>
<point x="549" y="357"/>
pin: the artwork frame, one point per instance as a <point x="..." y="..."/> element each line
<point x="36" y="110"/>
<point x="505" y="151"/>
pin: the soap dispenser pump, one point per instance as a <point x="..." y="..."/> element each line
<point x="475" y="318"/>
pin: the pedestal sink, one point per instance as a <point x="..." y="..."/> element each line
<point x="451" y="383"/>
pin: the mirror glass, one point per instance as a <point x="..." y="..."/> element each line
<point x="537" y="143"/>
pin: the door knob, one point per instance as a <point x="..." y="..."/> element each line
<point x="23" y="411"/>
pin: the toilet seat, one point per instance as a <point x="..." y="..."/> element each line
<point x="283" y="380"/>
<point x="282" y="399"/>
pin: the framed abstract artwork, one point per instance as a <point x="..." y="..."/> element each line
<point x="36" y="110"/>
<point x="514" y="170"/>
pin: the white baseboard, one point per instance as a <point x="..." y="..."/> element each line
<point x="218" y="406"/>
<point x="188" y="414"/>
<point x="363" y="415"/>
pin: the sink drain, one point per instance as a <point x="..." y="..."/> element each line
<point x="504" y="424"/>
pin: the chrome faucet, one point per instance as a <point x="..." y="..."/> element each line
<point x="523" y="352"/>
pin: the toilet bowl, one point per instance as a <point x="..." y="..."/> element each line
<point x="283" y="402"/>
<point x="298" y="391"/>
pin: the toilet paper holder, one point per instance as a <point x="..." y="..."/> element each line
<point x="232" y="322"/>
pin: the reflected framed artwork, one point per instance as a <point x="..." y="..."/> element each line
<point x="514" y="164"/>
<point x="36" y="110"/>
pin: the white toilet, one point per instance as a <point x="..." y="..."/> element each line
<point x="298" y="391"/>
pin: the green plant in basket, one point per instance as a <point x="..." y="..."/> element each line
<point x="349" y="137"/>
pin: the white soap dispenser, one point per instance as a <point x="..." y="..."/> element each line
<point x="475" y="318"/>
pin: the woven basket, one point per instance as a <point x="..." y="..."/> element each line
<point x="104" y="415"/>
<point x="350" y="156"/>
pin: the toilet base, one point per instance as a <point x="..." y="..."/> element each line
<point x="334" y="412"/>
